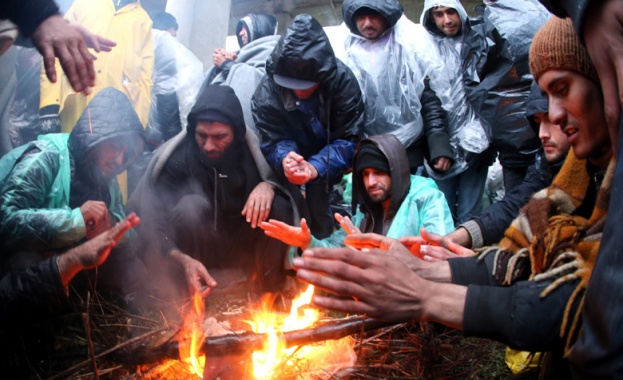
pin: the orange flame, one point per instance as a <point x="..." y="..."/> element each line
<point x="311" y="361"/>
<point x="193" y="332"/>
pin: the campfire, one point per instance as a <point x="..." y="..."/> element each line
<point x="273" y="356"/>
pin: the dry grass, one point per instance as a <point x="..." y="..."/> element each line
<point x="61" y="348"/>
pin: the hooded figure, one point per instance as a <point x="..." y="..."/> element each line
<point x="323" y="128"/>
<point x="192" y="203"/>
<point x="415" y="201"/>
<point x="245" y="72"/>
<point x="393" y="71"/>
<point x="497" y="79"/>
<point x="44" y="183"/>
<point x="464" y="183"/>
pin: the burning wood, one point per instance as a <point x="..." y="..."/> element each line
<point x="248" y="342"/>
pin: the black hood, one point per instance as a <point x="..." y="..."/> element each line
<point x="218" y="100"/>
<point x="109" y="115"/>
<point x="304" y="52"/>
<point x="396" y="156"/>
<point x="258" y="25"/>
<point x="390" y="9"/>
<point x="535" y="103"/>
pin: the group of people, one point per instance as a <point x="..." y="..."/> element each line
<point x="276" y="127"/>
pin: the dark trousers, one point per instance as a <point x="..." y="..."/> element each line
<point x="230" y="242"/>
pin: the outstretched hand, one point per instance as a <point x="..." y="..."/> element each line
<point x="95" y="251"/>
<point x="347" y="224"/>
<point x="297" y="170"/>
<point x="433" y="247"/>
<point x="290" y="235"/>
<point x="259" y="203"/>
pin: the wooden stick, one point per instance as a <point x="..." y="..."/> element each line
<point x="87" y="327"/>
<point x="236" y="344"/>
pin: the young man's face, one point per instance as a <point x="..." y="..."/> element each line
<point x="555" y="143"/>
<point x="243" y="36"/>
<point x="447" y="20"/>
<point x="111" y="157"/>
<point x="213" y="138"/>
<point x="576" y="105"/>
<point x="378" y="184"/>
<point x="371" y="26"/>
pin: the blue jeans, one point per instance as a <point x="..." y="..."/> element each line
<point x="464" y="193"/>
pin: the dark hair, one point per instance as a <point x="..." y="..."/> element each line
<point x="163" y="21"/>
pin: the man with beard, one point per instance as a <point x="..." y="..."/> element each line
<point x="392" y="202"/>
<point x="61" y="189"/>
<point x="204" y="193"/>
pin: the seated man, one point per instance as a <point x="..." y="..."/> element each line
<point x="527" y="292"/>
<point x="308" y="110"/>
<point x="392" y="202"/>
<point x="62" y="189"/>
<point x="204" y="193"/>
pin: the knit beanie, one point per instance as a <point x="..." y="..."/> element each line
<point x="556" y="46"/>
<point x="369" y="156"/>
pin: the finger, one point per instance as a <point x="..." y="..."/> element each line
<point x="106" y="44"/>
<point x="49" y="62"/>
<point x="68" y="63"/>
<point x="304" y="227"/>
<point x="84" y="64"/>
<point x="430" y="237"/>
<point x="343" y="257"/>
<point x="264" y="212"/>
<point x="367" y="240"/>
<point x="457" y="248"/>
<point x="341" y="305"/>
<point x="333" y="284"/>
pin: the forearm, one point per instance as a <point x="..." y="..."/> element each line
<point x="445" y="304"/>
<point x="463" y="234"/>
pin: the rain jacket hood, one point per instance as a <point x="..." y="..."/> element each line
<point x="220" y="101"/>
<point x="257" y="25"/>
<point x="109" y="115"/>
<point x="304" y="52"/>
<point x="428" y="21"/>
<point x="391" y="10"/>
<point x="396" y="155"/>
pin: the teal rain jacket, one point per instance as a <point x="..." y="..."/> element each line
<point x="36" y="178"/>
<point x="416" y="202"/>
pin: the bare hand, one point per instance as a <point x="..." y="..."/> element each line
<point x="371" y="283"/>
<point x="96" y="217"/>
<point x="370" y="241"/>
<point x="95" y="251"/>
<point x="94" y="41"/>
<point x="441" y="248"/>
<point x="290" y="235"/>
<point x="259" y="203"/>
<point x="603" y="33"/>
<point x="461" y="237"/>
<point x="55" y="38"/>
<point x="442" y="163"/>
<point x="347" y="224"/>
<point x="196" y="274"/>
<point x="297" y="170"/>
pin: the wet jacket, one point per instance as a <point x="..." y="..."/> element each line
<point x="497" y="77"/>
<point x="246" y="72"/>
<point x="27" y="15"/>
<point x="304" y="52"/>
<point x="416" y="202"/>
<point x="411" y="111"/>
<point x="34" y="293"/>
<point x="488" y="227"/>
<point x="598" y="351"/>
<point x="127" y="67"/>
<point x="467" y="135"/>
<point x="43" y="183"/>
<point x="178" y="169"/>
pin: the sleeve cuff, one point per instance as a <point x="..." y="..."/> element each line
<point x="474" y="231"/>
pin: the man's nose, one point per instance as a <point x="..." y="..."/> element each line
<point x="208" y="146"/>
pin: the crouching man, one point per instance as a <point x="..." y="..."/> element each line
<point x="204" y="194"/>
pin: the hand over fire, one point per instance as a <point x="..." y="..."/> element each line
<point x="433" y="247"/>
<point x="370" y="282"/>
<point x="259" y="203"/>
<point x="290" y="235"/>
<point x="196" y="274"/>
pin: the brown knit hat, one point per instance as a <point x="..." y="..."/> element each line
<point x="556" y="46"/>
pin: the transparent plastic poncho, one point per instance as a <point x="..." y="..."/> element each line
<point x="391" y="72"/>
